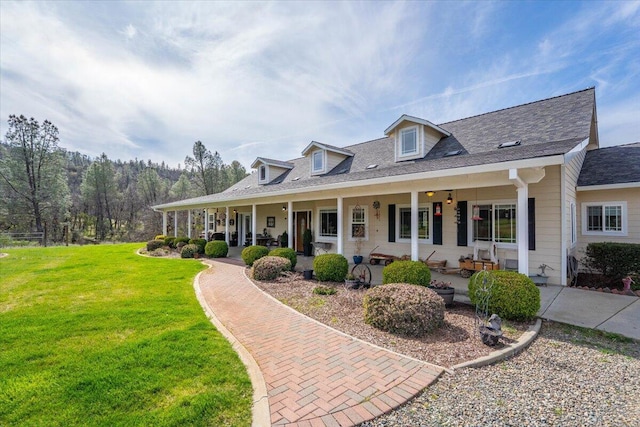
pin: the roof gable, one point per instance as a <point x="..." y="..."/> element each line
<point x="327" y="147"/>
<point x="271" y="162"/>
<point x="416" y="120"/>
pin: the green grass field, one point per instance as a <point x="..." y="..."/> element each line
<point x="97" y="335"/>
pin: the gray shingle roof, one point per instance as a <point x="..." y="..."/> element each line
<point x="611" y="165"/>
<point x="545" y="128"/>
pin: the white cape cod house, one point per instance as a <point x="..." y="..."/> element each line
<point x="514" y="182"/>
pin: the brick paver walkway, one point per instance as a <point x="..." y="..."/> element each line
<point x="315" y="376"/>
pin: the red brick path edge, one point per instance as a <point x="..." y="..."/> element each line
<point x="314" y="375"/>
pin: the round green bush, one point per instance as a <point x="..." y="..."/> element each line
<point x="160" y="237"/>
<point x="188" y="251"/>
<point x="216" y="249"/>
<point x="269" y="267"/>
<point x="181" y="239"/>
<point x="170" y="241"/>
<point x="330" y="267"/>
<point x="251" y="253"/>
<point x="514" y="296"/>
<point x="152" y="245"/>
<point x="403" y="308"/>
<point x="412" y="272"/>
<point x="200" y="243"/>
<point x="288" y="253"/>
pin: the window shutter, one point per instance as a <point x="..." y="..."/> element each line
<point x="532" y="224"/>
<point x="392" y="223"/>
<point x="437" y="226"/>
<point x="462" y="224"/>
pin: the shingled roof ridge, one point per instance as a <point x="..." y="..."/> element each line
<point x="366" y="142"/>
<point x="517" y="106"/>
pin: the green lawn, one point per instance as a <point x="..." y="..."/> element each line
<point x="97" y="335"/>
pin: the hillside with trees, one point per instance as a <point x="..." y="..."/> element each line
<point x="71" y="197"/>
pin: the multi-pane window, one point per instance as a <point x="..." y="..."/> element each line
<point x="263" y="172"/>
<point x="497" y="223"/>
<point x="328" y="223"/>
<point x="318" y="161"/>
<point x="404" y="223"/>
<point x="408" y="141"/>
<point x="358" y="222"/>
<point x="604" y="218"/>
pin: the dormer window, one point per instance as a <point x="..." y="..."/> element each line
<point x="263" y="173"/>
<point x="318" y="161"/>
<point x="409" y="141"/>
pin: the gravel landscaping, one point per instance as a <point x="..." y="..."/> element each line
<point x="457" y="341"/>
<point x="567" y="377"/>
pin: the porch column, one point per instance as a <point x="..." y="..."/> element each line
<point x="175" y="224"/>
<point x="227" y="237"/>
<point x="290" y="224"/>
<point x="164" y="223"/>
<point x="339" y="248"/>
<point x="522" y="222"/>
<point x="414" y="226"/>
<point x="206" y="224"/>
<point x="189" y="223"/>
<point x="254" y="223"/>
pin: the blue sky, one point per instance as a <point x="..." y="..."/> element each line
<point x="146" y="79"/>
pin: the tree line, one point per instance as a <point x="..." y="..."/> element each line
<point x="70" y="197"/>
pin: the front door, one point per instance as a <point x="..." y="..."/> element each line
<point x="302" y="223"/>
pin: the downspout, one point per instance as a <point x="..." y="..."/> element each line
<point x="414" y="226"/>
<point x="563" y="226"/>
<point x="522" y="233"/>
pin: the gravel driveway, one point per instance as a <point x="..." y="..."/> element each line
<point x="567" y="377"/>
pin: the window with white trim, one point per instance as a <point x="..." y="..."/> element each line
<point x="317" y="161"/>
<point x="604" y="218"/>
<point x="263" y="173"/>
<point x="328" y="222"/>
<point x="404" y="223"/>
<point x="212" y="222"/>
<point x="358" y="223"/>
<point x="497" y="223"/>
<point x="408" y="141"/>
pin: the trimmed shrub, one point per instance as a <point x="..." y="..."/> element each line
<point x="182" y="239"/>
<point x="216" y="249"/>
<point x="180" y="245"/>
<point x="251" y="253"/>
<point x="152" y="245"/>
<point x="325" y="290"/>
<point x="288" y="253"/>
<point x="200" y="243"/>
<point x="412" y="272"/>
<point x="614" y="260"/>
<point x="514" y="296"/>
<point x="403" y="308"/>
<point x="330" y="267"/>
<point x="160" y="237"/>
<point x="188" y="251"/>
<point x="269" y="267"/>
<point x="170" y="241"/>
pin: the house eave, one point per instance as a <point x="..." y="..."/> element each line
<point x="619" y="186"/>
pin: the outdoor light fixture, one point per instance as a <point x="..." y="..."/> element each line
<point x="438" y="210"/>
<point x="430" y="193"/>
<point x="449" y="199"/>
<point x="284" y="208"/>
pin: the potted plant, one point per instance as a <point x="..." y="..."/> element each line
<point x="357" y="257"/>
<point x="444" y="289"/>
<point x="307" y="272"/>
<point x="284" y="240"/>
<point x="306" y="242"/>
<point x="351" y="282"/>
